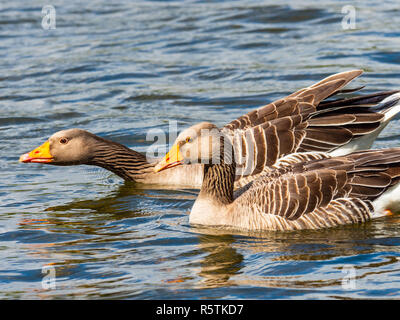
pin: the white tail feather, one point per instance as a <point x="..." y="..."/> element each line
<point x="391" y="112"/>
<point x="367" y="141"/>
<point x="389" y="200"/>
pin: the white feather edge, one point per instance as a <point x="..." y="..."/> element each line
<point x="367" y="141"/>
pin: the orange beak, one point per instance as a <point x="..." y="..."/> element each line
<point x="39" y="155"/>
<point x="172" y="158"/>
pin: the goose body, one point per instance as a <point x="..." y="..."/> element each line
<point x="304" y="121"/>
<point x="306" y="191"/>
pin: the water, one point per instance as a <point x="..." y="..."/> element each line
<point x="120" y="69"/>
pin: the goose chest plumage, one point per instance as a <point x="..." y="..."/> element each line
<point x="307" y="120"/>
<point x="306" y="191"/>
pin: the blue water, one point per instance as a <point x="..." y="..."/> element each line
<point x="120" y="69"/>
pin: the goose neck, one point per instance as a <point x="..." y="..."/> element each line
<point x="218" y="182"/>
<point x="124" y="162"/>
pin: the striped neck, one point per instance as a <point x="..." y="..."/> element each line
<point x="218" y="182"/>
<point x="124" y="162"/>
<point x="219" y="179"/>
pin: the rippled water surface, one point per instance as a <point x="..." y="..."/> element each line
<point x="119" y="69"/>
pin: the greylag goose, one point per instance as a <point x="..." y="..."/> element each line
<point x="259" y="138"/>
<point x="77" y="146"/>
<point x="324" y="192"/>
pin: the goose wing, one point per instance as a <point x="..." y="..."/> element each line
<point x="296" y="103"/>
<point x="302" y="122"/>
<point x="282" y="166"/>
<point x="259" y="147"/>
<point x="322" y="193"/>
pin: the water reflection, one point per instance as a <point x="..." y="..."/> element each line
<point x="83" y="238"/>
<point x="221" y="261"/>
<point x="289" y="256"/>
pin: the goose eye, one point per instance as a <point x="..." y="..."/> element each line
<point x="188" y="140"/>
<point x="63" y="140"/>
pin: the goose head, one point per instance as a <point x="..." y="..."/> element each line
<point x="202" y="143"/>
<point x="66" y="147"/>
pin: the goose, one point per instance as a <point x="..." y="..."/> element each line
<point x="325" y="192"/>
<point x="260" y="138"/>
